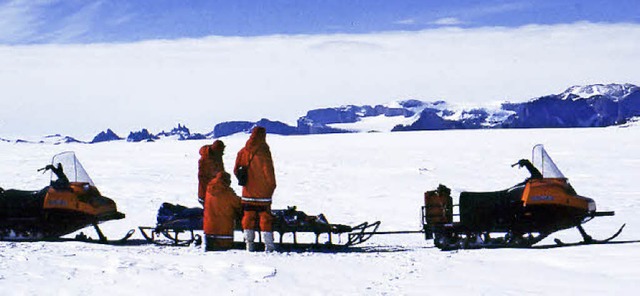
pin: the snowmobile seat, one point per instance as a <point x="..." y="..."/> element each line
<point x="483" y="211"/>
<point x="21" y="202"/>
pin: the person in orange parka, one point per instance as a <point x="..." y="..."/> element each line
<point x="221" y="209"/>
<point x="258" y="190"/>
<point x="209" y="165"/>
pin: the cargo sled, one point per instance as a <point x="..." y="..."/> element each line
<point x="174" y="221"/>
<point x="71" y="202"/>
<point x="518" y="217"/>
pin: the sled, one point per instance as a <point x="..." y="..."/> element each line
<point x="188" y="221"/>
<point x="172" y="222"/>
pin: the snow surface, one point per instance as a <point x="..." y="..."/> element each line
<point x="350" y="178"/>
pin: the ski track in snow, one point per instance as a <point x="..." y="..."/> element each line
<point x="350" y="178"/>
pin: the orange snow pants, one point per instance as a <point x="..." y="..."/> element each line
<point x="257" y="214"/>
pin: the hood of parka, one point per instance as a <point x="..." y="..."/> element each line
<point x="257" y="139"/>
<point x="220" y="182"/>
<point x="214" y="150"/>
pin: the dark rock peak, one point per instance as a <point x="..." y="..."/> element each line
<point x="143" y="135"/>
<point x="105" y="136"/>
<point x="180" y="130"/>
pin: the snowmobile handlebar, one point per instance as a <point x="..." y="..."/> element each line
<point x="521" y="163"/>
<point x="49" y="167"/>
<point x="535" y="173"/>
<point x="57" y="170"/>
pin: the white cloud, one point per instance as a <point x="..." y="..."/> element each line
<point x="490" y="9"/>
<point x="83" y="89"/>
<point x="406" y="22"/>
<point x="468" y="13"/>
<point x="23" y="21"/>
<point x="18" y="20"/>
<point x="447" y="21"/>
<point x="76" y="24"/>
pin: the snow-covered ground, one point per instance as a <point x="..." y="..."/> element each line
<point x="350" y="178"/>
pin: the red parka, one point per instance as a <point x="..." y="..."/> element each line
<point x="209" y="165"/>
<point x="221" y="209"/>
<point x="261" y="181"/>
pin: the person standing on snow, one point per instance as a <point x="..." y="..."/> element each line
<point x="209" y="165"/>
<point x="221" y="209"/>
<point x="255" y="159"/>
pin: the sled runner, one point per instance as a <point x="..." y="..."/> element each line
<point x="174" y="220"/>
<point x="518" y="217"/>
<point x="71" y="202"/>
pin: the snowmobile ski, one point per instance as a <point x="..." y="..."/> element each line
<point x="81" y="237"/>
<point x="588" y="240"/>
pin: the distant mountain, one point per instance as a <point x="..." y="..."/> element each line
<point x="105" y="136"/>
<point x="613" y="91"/>
<point x="345" y="118"/>
<point x="320" y="121"/>
<point x="182" y="133"/>
<point x="231" y="127"/>
<point x="273" y="127"/>
<point x="596" y="105"/>
<point x="142" y="135"/>
<point x="65" y="140"/>
<point x="579" y="106"/>
<point x="55" y="139"/>
<point x="403" y="115"/>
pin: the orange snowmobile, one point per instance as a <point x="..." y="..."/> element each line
<point x="71" y="202"/>
<point x="518" y="217"/>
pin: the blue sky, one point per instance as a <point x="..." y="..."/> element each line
<point x="83" y="21"/>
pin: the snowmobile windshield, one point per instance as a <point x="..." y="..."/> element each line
<point x="71" y="167"/>
<point x="542" y="161"/>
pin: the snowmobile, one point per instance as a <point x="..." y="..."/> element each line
<point x="174" y="220"/>
<point x="518" y="217"/>
<point x="71" y="202"/>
